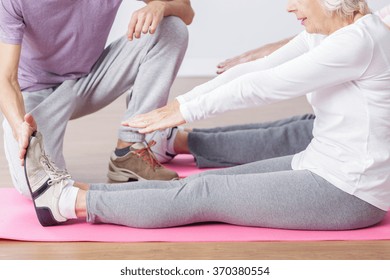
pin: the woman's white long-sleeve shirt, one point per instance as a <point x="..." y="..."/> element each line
<point x="346" y="78"/>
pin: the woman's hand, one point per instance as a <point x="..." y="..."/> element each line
<point x="159" y="119"/>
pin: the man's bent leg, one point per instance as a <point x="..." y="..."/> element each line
<point x="157" y="71"/>
<point x="148" y="66"/>
<point x="162" y="63"/>
<point x="145" y="68"/>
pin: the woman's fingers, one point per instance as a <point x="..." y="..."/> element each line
<point x="167" y="116"/>
<point x="142" y="121"/>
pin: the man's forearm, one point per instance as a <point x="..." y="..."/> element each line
<point x="11" y="100"/>
<point x="179" y="8"/>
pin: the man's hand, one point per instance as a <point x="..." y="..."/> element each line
<point x="23" y="134"/>
<point x="164" y="117"/>
<point x="251" y="55"/>
<point x="146" y="19"/>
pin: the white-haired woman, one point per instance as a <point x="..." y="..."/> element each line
<point x="243" y="143"/>
<point x="340" y="181"/>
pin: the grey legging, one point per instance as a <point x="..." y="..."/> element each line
<point x="239" y="144"/>
<point x="263" y="194"/>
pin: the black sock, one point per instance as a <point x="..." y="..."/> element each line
<point x="122" y="152"/>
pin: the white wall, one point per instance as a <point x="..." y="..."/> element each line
<point x="225" y="28"/>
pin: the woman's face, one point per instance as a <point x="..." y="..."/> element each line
<point x="313" y="16"/>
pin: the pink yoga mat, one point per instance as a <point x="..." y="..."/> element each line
<point x="19" y="222"/>
<point x="185" y="165"/>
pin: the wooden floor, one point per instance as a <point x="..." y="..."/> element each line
<point x="88" y="144"/>
<point x="335" y="250"/>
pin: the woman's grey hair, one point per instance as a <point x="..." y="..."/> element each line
<point x="346" y="8"/>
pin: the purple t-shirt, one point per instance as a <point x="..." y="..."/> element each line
<point x="61" y="39"/>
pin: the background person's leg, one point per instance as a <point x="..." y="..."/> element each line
<point x="249" y="126"/>
<point x="242" y="144"/>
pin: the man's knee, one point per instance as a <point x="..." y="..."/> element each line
<point x="174" y="29"/>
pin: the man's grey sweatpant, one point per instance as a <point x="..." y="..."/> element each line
<point x="263" y="194"/>
<point x="240" y="144"/>
<point x="147" y="67"/>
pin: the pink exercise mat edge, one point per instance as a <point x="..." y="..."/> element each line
<point x="20" y="223"/>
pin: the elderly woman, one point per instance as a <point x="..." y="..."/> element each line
<point x="243" y="143"/>
<point x="340" y="181"/>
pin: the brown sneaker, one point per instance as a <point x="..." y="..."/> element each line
<point x="138" y="164"/>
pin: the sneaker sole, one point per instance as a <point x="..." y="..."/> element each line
<point x="122" y="175"/>
<point x="44" y="214"/>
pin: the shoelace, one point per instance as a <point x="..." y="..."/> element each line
<point x="56" y="175"/>
<point x="147" y="155"/>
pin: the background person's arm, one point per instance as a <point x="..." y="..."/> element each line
<point x="11" y="99"/>
<point x="251" y="55"/>
<point x="296" y="47"/>
<point x="267" y="49"/>
<point x="149" y="17"/>
<point x="384" y="14"/>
